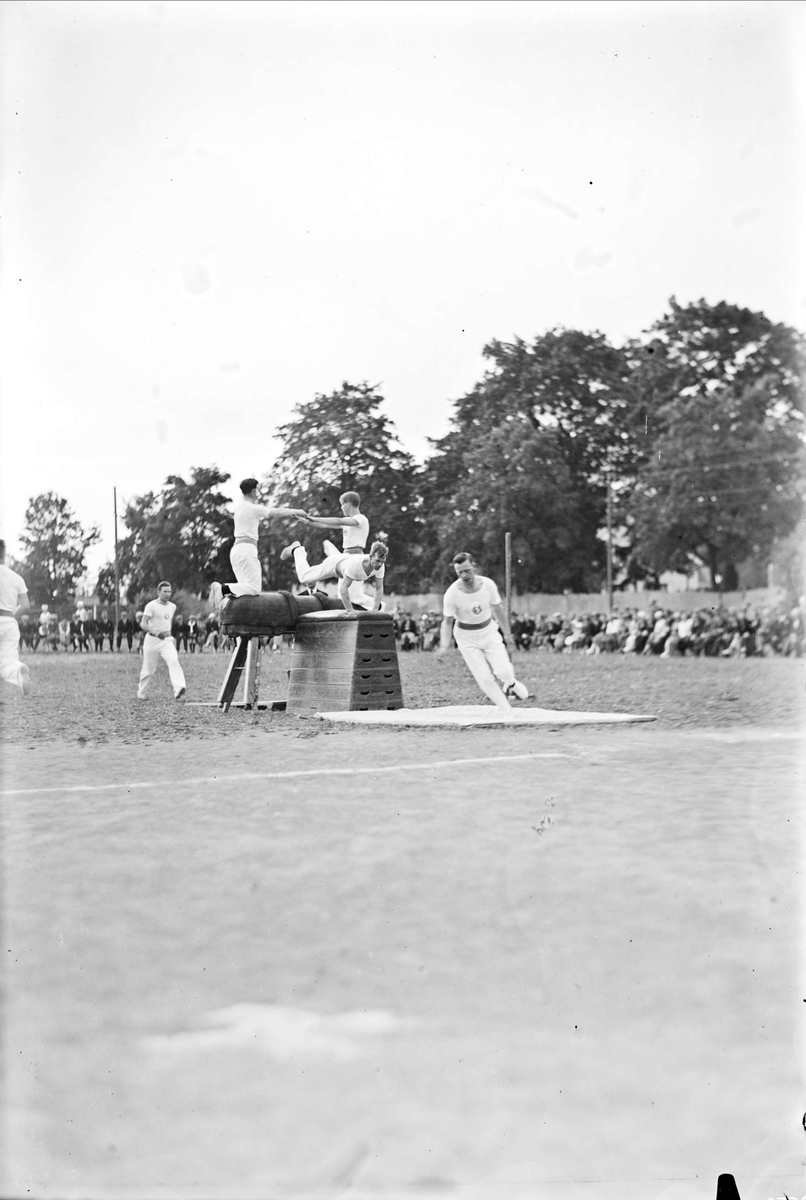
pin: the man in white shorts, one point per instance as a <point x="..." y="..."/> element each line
<point x="472" y="611"/>
<point x="354" y="534"/>
<point x="347" y="568"/>
<point x="13" y="603"/>
<point x="158" y="644"/>
<point x="243" y="555"/>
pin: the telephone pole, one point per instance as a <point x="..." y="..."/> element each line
<point x="117" y="568"/>
<point x="508" y="575"/>
<point x="609" y="543"/>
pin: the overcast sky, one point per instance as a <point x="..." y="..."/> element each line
<point x="212" y="211"/>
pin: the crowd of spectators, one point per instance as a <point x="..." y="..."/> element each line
<point x="83" y="632"/>
<point x="713" y="632"/>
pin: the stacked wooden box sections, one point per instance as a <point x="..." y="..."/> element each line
<point x="344" y="663"/>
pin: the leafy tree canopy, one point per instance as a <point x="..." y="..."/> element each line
<point x="517" y="479"/>
<point x="724" y="478"/>
<point x="696" y="348"/>
<point x="576" y="383"/>
<point x="338" y="443"/>
<point x="183" y="533"/>
<point x="54" y="547"/>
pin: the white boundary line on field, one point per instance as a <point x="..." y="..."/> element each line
<point x="312" y="774"/>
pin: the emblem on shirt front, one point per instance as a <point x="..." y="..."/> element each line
<point x="476" y="609"/>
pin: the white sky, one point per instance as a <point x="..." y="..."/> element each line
<point x="212" y="211"/>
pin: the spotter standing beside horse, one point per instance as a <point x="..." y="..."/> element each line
<point x="243" y="555"/>
<point x="354" y="527"/>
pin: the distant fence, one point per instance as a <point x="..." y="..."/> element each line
<point x="531" y="604"/>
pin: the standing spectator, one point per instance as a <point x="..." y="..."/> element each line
<point x="48" y="624"/>
<point x="126" y="629"/>
<point x="83" y="630"/>
<point x="64" y="633"/>
<point x="26" y="631"/>
<point x="354" y="527"/>
<point x="409" y="634"/>
<point x="212" y="638"/>
<point x="156" y="625"/>
<point x="13" y="603"/>
<point x="107" y="629"/>
<point x="93" y="626"/>
<point x="179" y="631"/>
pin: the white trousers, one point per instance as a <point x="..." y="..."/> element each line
<point x="10" y="651"/>
<point x="322" y="570"/>
<point x="246" y="565"/>
<point x="486" y="656"/>
<point x="153" y="650"/>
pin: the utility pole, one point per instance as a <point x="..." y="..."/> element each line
<point x="609" y="544"/>
<point x="117" y="568"/>
<point x="508" y="574"/>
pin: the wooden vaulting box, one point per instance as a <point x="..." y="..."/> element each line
<point x="343" y="665"/>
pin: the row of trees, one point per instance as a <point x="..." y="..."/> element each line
<point x="696" y="428"/>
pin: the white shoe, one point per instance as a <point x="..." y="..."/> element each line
<point x="25" y="679"/>
<point x="330" y="548"/>
<point x="289" y="550"/>
<point x="519" y="690"/>
<point x="216" y="595"/>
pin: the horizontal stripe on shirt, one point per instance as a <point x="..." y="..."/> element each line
<point x="483" y="624"/>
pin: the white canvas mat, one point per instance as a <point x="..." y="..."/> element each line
<point x="479" y="714"/>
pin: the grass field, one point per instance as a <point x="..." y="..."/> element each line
<point x="251" y="955"/>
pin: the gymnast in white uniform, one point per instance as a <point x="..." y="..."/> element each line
<point x="473" y="613"/>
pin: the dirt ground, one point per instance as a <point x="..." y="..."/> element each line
<point x="296" y="960"/>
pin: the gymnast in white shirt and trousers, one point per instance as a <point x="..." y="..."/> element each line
<point x="243" y="555"/>
<point x="474" y="615"/>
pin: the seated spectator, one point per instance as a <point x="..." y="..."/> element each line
<point x="659" y="633"/>
<point x="638" y="631"/>
<point x="430" y="626"/>
<point x="609" y="639"/>
<point x="685" y="633"/>
<point x="409" y="633"/>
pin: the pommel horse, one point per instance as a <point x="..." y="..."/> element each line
<point x="341" y="660"/>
